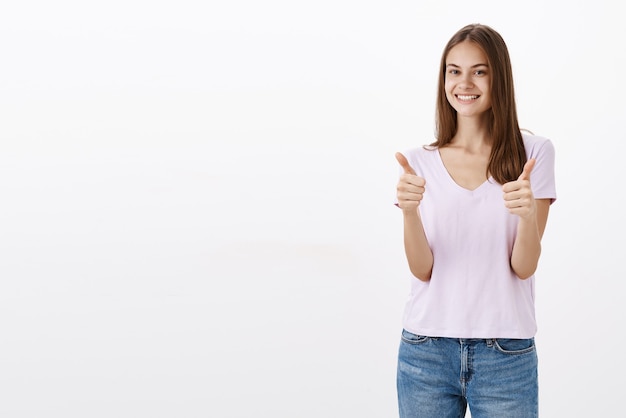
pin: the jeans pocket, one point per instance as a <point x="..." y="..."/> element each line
<point x="514" y="345"/>
<point x="410" y="338"/>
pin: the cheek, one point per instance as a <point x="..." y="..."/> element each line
<point x="487" y="95"/>
<point x="486" y="88"/>
<point x="448" y="87"/>
<point x="449" y="99"/>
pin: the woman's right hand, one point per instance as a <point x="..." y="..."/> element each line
<point x="411" y="187"/>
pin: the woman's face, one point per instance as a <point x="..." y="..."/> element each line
<point x="468" y="80"/>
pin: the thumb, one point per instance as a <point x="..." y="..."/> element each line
<point x="528" y="167"/>
<point x="404" y="163"/>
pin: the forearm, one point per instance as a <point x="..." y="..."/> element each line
<point x="527" y="248"/>
<point x="418" y="252"/>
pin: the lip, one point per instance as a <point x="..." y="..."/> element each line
<point x="467" y="98"/>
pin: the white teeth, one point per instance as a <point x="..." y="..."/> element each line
<point x="467" y="97"/>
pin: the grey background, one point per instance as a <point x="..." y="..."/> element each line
<point x="196" y="215"/>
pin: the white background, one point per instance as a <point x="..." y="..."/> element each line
<point x="196" y="215"/>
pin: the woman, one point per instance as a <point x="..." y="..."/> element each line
<point x="475" y="205"/>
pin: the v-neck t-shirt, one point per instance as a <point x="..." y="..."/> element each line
<point x="473" y="291"/>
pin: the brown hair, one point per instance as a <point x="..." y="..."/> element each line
<point x="508" y="155"/>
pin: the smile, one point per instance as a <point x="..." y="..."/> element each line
<point x="467" y="97"/>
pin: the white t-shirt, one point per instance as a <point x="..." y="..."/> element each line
<point x="473" y="292"/>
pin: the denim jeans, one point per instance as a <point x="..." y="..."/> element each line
<point x="441" y="377"/>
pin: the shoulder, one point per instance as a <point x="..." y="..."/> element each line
<point x="421" y="157"/>
<point x="543" y="174"/>
<point x="537" y="145"/>
<point x="420" y="152"/>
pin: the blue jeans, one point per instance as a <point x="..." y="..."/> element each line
<point x="441" y="377"/>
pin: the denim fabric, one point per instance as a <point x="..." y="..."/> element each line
<point x="441" y="377"/>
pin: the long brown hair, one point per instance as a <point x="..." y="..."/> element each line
<point x="508" y="155"/>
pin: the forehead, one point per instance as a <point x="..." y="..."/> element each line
<point x="466" y="53"/>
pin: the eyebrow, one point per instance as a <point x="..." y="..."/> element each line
<point x="473" y="66"/>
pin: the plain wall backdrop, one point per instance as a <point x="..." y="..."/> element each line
<point x="196" y="212"/>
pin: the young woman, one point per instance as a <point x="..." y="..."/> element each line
<point x="475" y="205"/>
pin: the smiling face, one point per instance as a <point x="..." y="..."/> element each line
<point x="468" y="80"/>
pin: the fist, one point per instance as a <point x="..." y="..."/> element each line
<point x="410" y="189"/>
<point x="518" y="196"/>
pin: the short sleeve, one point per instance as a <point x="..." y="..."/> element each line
<point x="542" y="178"/>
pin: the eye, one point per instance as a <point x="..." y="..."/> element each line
<point x="453" y="71"/>
<point x="480" y="72"/>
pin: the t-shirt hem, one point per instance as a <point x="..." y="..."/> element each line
<point x="473" y="334"/>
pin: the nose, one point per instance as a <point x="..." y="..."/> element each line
<point x="467" y="82"/>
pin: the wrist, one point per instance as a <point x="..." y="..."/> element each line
<point x="410" y="211"/>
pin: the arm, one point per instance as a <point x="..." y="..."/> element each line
<point x="527" y="246"/>
<point x="410" y="191"/>
<point x="533" y="216"/>
<point x="418" y="252"/>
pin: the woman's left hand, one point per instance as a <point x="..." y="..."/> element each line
<point x="518" y="196"/>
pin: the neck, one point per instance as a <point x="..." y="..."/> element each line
<point x="472" y="134"/>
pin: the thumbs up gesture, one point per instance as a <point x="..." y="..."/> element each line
<point x="410" y="189"/>
<point x="518" y="196"/>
